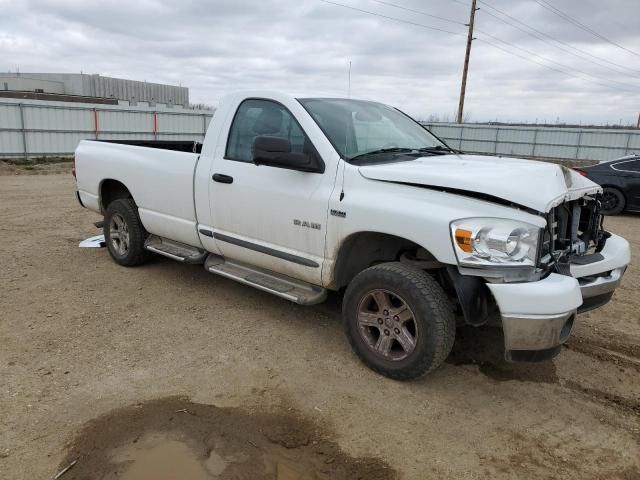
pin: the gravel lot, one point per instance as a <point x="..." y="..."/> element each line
<point x="81" y="336"/>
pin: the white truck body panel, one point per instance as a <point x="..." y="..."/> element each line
<point x="417" y="214"/>
<point x="161" y="181"/>
<point x="262" y="203"/>
<point x="501" y="177"/>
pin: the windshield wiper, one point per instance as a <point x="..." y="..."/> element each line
<point x="383" y="150"/>
<point x="438" y="149"/>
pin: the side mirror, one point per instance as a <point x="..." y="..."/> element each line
<point x="276" y="152"/>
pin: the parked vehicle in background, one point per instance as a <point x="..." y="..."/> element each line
<point x="298" y="196"/>
<point x="620" y="181"/>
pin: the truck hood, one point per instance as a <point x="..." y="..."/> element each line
<point x="529" y="183"/>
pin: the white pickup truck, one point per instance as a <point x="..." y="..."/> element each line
<point x="298" y="196"/>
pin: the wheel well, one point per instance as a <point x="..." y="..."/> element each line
<point x="365" y="249"/>
<point x="111" y="190"/>
<point x="614" y="187"/>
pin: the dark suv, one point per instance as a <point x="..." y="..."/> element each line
<point x="620" y="180"/>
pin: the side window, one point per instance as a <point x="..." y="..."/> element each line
<point x="633" y="166"/>
<point x="628" y="166"/>
<point x="263" y="117"/>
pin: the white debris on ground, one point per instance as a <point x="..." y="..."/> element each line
<point x="93" y="242"/>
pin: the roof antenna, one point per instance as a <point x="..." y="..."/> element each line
<point x="349" y="87"/>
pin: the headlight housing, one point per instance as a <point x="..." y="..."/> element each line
<point x="495" y="242"/>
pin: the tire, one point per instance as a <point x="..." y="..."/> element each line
<point x="380" y="338"/>
<point x="613" y="201"/>
<point x="124" y="234"/>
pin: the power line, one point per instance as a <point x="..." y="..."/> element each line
<point x="529" y="52"/>
<point x="394" y="5"/>
<point x="457" y="33"/>
<point x="419" y="12"/>
<point x="594" y="5"/>
<point x="557" y="43"/>
<point x="392" y="18"/>
<point x="581" y="25"/>
<point x="555" y="69"/>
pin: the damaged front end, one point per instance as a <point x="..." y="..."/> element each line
<point x="574" y="234"/>
<point x="578" y="266"/>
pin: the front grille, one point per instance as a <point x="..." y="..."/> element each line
<point x="574" y="229"/>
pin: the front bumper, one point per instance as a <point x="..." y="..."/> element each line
<point x="537" y="317"/>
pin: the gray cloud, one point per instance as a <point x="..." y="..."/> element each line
<point x="304" y="47"/>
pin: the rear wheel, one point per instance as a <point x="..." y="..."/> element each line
<point x="124" y="234"/>
<point x="613" y="201"/>
<point x="398" y="320"/>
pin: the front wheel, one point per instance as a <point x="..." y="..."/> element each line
<point x="398" y="320"/>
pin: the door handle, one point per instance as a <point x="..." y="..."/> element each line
<point x="220" y="178"/>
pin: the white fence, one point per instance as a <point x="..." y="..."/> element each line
<point x="38" y="129"/>
<point x="32" y="128"/>
<point x="540" y="142"/>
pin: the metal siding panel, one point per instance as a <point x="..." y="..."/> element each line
<point x="51" y="142"/>
<point x="477" y="146"/>
<point x="479" y="133"/>
<point x="126" y="136"/>
<point x="634" y="141"/>
<point x="446" y="131"/>
<point x="183" y="123"/>
<point x="595" y="144"/>
<point x="123" y="121"/>
<point x="516" y="135"/>
<point x="604" y="139"/>
<point x="558" y="137"/>
<point x="554" y="151"/>
<point x="186" y="137"/>
<point x="10" y="142"/>
<point x="9" y="116"/>
<point x="42" y="118"/>
<point x="513" y="149"/>
<point x="599" y="153"/>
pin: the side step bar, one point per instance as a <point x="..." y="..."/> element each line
<point x="175" y="250"/>
<point x="286" y="287"/>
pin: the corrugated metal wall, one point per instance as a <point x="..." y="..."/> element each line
<point x="40" y="128"/>
<point x="35" y="129"/>
<point x="539" y="142"/>
<point x="98" y="86"/>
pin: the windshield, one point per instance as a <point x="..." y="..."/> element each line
<point x="359" y="128"/>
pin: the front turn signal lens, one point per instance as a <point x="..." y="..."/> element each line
<point x="464" y="239"/>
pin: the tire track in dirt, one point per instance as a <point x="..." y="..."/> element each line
<point x="607" y="350"/>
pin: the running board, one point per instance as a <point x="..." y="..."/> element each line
<point x="286" y="287"/>
<point x="175" y="250"/>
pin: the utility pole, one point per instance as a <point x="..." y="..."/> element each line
<point x="470" y="38"/>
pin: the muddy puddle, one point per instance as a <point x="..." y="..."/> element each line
<point x="175" y="439"/>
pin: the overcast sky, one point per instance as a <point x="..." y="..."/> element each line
<point x="304" y="47"/>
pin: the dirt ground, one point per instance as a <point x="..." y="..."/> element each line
<point x="85" y="344"/>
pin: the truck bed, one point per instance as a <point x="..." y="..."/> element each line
<point x="159" y="175"/>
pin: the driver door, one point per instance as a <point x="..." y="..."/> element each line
<point x="274" y="218"/>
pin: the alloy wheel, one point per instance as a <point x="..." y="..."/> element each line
<point x="387" y="325"/>
<point x="119" y="234"/>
